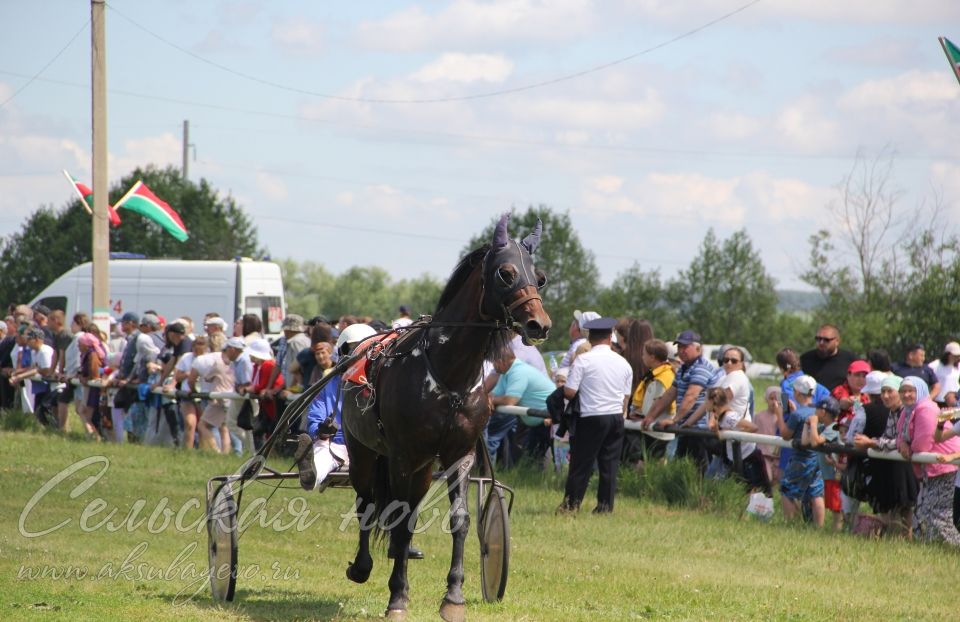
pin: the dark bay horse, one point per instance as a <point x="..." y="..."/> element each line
<point x="428" y="405"/>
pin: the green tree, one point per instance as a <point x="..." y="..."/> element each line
<point x="52" y="241"/>
<point x="311" y="289"/>
<point x="572" y="275"/>
<point x="726" y="294"/>
<point x="636" y="293"/>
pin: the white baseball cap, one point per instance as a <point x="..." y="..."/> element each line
<point x="584" y="317"/>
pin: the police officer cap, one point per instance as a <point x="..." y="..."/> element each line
<point x="603" y="323"/>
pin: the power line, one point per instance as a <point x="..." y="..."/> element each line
<point x="45" y="67"/>
<point x="655" y="150"/>
<point x="357" y="182"/>
<point x="437" y="100"/>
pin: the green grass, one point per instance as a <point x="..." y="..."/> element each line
<point x="661" y="556"/>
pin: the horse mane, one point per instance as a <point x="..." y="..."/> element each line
<point x="460" y="274"/>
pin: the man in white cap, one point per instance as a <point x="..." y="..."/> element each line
<point x="242" y="368"/>
<point x="578" y="334"/>
<point x="947" y="372"/>
<point x="214" y="324"/>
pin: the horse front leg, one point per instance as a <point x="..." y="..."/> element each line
<point x="453" y="606"/>
<point x="362" y="471"/>
<point x="401" y="521"/>
<point x="359" y="570"/>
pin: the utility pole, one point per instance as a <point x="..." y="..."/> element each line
<point x="186" y="148"/>
<point x="101" y="226"/>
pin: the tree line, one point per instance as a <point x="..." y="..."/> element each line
<point x="888" y="274"/>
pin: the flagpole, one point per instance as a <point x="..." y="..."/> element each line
<point x="131" y="191"/>
<point x="950" y="59"/>
<point x="101" y="218"/>
<point x="83" y="199"/>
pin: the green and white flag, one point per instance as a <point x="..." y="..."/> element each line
<point x="953" y="55"/>
<point x="143" y="201"/>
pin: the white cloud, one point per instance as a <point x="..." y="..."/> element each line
<point x="473" y="23"/>
<point x="685" y="14"/>
<point x="572" y="113"/>
<point x="455" y="67"/>
<point x="161" y="150"/>
<point x="694" y="198"/>
<point x="926" y="88"/>
<point x="298" y="36"/>
<point x="805" y="125"/>
<point x="881" y="52"/>
<point x="733" y="126"/>
<point x="607" y="184"/>
<point x="272" y="186"/>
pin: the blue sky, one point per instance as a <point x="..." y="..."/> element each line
<point x="750" y="122"/>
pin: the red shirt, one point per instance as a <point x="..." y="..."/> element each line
<point x="843" y="391"/>
<point x="261" y="375"/>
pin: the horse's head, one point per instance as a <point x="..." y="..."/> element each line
<point x="511" y="291"/>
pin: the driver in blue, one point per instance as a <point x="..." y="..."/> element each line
<point x="322" y="450"/>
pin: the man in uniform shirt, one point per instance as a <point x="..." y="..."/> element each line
<point x="602" y="378"/>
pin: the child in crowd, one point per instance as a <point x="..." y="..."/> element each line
<point x="801" y="480"/>
<point x="722" y="417"/>
<point x="825" y="431"/>
<point x="766" y="422"/>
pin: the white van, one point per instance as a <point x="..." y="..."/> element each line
<point x="175" y="288"/>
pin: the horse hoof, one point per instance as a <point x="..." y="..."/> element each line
<point x="451" y="612"/>
<point x="396" y="614"/>
<point x="357" y="576"/>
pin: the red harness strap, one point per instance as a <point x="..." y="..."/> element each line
<point x="357" y="373"/>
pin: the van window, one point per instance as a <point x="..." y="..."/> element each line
<point x="268" y="309"/>
<point x="54" y="302"/>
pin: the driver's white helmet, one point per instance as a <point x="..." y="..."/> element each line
<point x="353" y="334"/>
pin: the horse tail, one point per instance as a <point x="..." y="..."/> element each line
<point x="383" y="500"/>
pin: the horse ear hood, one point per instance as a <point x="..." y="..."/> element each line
<point x="500" y="238"/>
<point x="532" y="241"/>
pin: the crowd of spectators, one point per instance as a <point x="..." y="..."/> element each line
<point x="123" y="385"/>
<point x="826" y="395"/>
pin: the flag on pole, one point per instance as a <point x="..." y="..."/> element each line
<point x="143" y="201"/>
<point x="86" y="199"/>
<point x="953" y="55"/>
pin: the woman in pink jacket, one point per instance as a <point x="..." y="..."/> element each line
<point x="933" y="519"/>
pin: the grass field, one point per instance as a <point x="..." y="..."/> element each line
<point x="647" y="561"/>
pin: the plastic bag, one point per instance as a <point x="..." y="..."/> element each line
<point x="761" y="506"/>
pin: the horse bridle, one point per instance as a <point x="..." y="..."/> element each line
<point x="513" y="254"/>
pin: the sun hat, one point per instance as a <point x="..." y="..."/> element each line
<point x="874" y="382"/>
<point x="259" y="349"/>
<point x="293" y="322"/>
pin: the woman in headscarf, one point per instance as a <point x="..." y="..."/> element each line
<point x="92" y="355"/>
<point x="891" y="485"/>
<point x="934" y="515"/>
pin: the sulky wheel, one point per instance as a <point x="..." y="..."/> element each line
<point x="494" y="531"/>
<point x="222" y="542"/>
